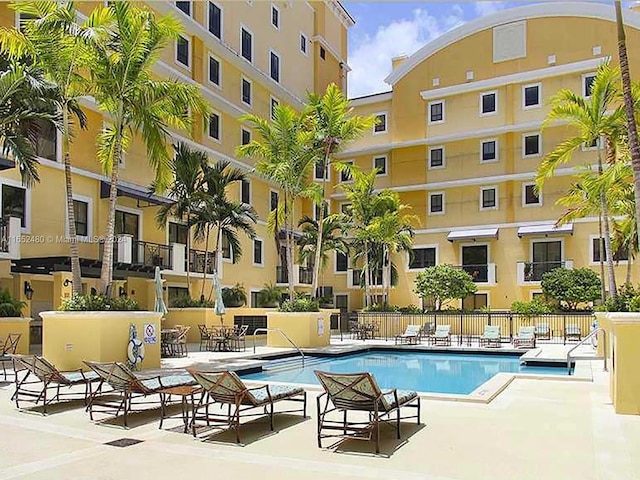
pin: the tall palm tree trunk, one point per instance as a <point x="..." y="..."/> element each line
<point x="365" y="274"/>
<point x="628" y="278"/>
<point x="613" y="290"/>
<point x="206" y="256"/>
<point x="289" y="239"/>
<point x="603" y="287"/>
<point x="634" y="144"/>
<point x="188" y="253"/>
<point x="318" y="252"/>
<point x="74" y="253"/>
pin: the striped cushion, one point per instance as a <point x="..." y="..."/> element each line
<point x="168" y="381"/>
<point x="77" y="377"/>
<point x="278" y="392"/>
<point x="403" y="397"/>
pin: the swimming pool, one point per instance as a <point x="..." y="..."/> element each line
<point x="423" y="372"/>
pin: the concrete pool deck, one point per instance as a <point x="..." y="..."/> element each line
<point x="535" y="429"/>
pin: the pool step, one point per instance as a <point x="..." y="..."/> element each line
<point x="291" y="363"/>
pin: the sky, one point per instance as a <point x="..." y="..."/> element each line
<point x="384" y="30"/>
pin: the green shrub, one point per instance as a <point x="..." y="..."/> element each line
<point x="380" y="307"/>
<point x="97" y="303"/>
<point x="627" y="300"/>
<point x="270" y="295"/>
<point x="300" y="304"/>
<point x="444" y="283"/>
<point x="410" y="309"/>
<point x="9" y="306"/>
<point x="571" y="287"/>
<point x="184" y="301"/>
<point x="235" y="296"/>
<point x="534" y="307"/>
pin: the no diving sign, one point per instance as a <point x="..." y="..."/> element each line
<point x="150" y="333"/>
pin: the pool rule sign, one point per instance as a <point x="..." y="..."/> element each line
<point x="150" y="333"/>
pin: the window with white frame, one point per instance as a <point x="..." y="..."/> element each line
<point x="345" y="176"/>
<point x="587" y="84"/>
<point x="320" y="171"/>
<point x="274" y="66"/>
<point x="488" y="103"/>
<point x="531" y="145"/>
<point x="597" y="246"/>
<point x="596" y="144"/>
<point x="214" y="20"/>
<point x="275" y="17"/>
<point x="214" y="126"/>
<point x="245" y="191"/>
<point x="273" y="200"/>
<point x="178" y="233"/>
<point x="184" y="7"/>
<point x="245" y="136"/>
<point x="489" y="151"/>
<point x="531" y="96"/>
<point x="422" y="257"/>
<point x="530" y="197"/>
<point x="246" y="44"/>
<point x="488" y="198"/>
<point x="226" y="248"/>
<point x="246" y="91"/>
<point x="436" y="157"/>
<point x="380" y="164"/>
<point x="381" y="123"/>
<point x="436" y="112"/>
<point x="214" y="70"/>
<point x="342" y="262"/>
<point x="436" y="203"/>
<point x="257" y="251"/>
<point x="303" y="43"/>
<point x="81" y="217"/>
<point x="183" y="51"/>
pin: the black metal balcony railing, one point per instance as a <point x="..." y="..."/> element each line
<point x="4" y="235"/>
<point x="533" y="271"/>
<point x="479" y="273"/>
<point x="151" y="254"/>
<point x="199" y="260"/>
<point x="305" y="275"/>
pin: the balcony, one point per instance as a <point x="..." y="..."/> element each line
<point x="356" y="280"/>
<point x="199" y="261"/>
<point x="302" y="276"/>
<point x="531" y="272"/>
<point x="140" y="255"/>
<point x="483" y="273"/>
<point x="10" y="236"/>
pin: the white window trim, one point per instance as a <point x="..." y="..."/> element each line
<point x="271" y="190"/>
<point x="547" y="240"/>
<point x="386" y="164"/>
<point x="497" y="205"/>
<point x="166" y="227"/>
<point x="533" y="293"/>
<point x="539" y="104"/>
<point x="592" y="251"/>
<point x="327" y="173"/>
<point x="248" y="180"/>
<point x="524" y="197"/>
<point x="251" y="291"/>
<point x="341" y="205"/>
<point x="27" y="201"/>
<point x="494" y="112"/>
<point x="245" y="129"/>
<point x="189" y="52"/>
<point x="306" y="43"/>
<point x="531" y="134"/>
<point x="444" y="158"/>
<point x="135" y="211"/>
<point x="89" y="202"/>
<point x="444" y="203"/>
<point x="386" y="124"/>
<point x="190" y="9"/>
<point x="487" y="140"/>
<point x="350" y="162"/>
<point x="214" y="139"/>
<point x="221" y="20"/>
<point x="483" y="292"/>
<point x="253" y="56"/>
<point x="582" y="84"/>
<point x="444" y="114"/>
<point x="599" y="146"/>
<point x="217" y="85"/>
<point x="418" y="247"/>
<point x="335" y="265"/>
<point x="273" y="52"/>
<point x="253" y="254"/>
<point x="242" y="80"/>
<point x="273" y="7"/>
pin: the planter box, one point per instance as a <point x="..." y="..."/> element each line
<point x="305" y="329"/>
<point x="16" y="325"/>
<point x="68" y="338"/>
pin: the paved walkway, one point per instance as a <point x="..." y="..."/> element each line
<point x="535" y="429"/>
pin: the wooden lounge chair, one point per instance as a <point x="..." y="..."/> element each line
<point x="526" y="337"/>
<point x="344" y="392"/>
<point x="226" y="388"/>
<point x="572" y="333"/>
<point x="543" y="332"/>
<point x="42" y="376"/>
<point x="442" y="335"/>
<point x="491" y="336"/>
<point x="127" y="386"/>
<point x="7" y="349"/>
<point x="410" y="335"/>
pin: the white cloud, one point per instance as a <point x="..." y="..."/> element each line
<point x="486" y="7"/>
<point x="370" y="59"/>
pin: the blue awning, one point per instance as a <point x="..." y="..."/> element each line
<point x="546" y="229"/>
<point x="477" y="234"/>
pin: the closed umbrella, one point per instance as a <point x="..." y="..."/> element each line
<point x="159" y="306"/>
<point x="219" y="306"/>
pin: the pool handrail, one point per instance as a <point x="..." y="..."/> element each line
<point x="592" y="334"/>
<point x="283" y="334"/>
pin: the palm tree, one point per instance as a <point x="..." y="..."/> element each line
<point x="332" y="231"/>
<point x="226" y="217"/>
<point x="596" y="120"/>
<point x="120" y="72"/>
<point x="26" y="99"/>
<point x="56" y="43"/>
<point x="285" y="157"/>
<point x="335" y="127"/>
<point x="629" y="108"/>
<point x="187" y="193"/>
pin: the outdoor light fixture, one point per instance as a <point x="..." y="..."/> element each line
<point x="122" y="292"/>
<point x="67" y="282"/>
<point x="28" y="290"/>
<point x="93" y="291"/>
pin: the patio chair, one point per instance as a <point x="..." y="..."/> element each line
<point x="526" y="337"/>
<point x="345" y="392"/>
<point x="572" y="333"/>
<point x="226" y="388"/>
<point x="42" y="376"/>
<point x="178" y="345"/>
<point x="205" y="337"/>
<point x="238" y="338"/>
<point x="411" y="335"/>
<point x="491" y="336"/>
<point x="442" y="335"/>
<point x="7" y="349"/>
<point x="128" y="386"/>
<point x="428" y="329"/>
<point x="543" y="332"/>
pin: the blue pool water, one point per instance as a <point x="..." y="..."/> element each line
<point x="423" y="372"/>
